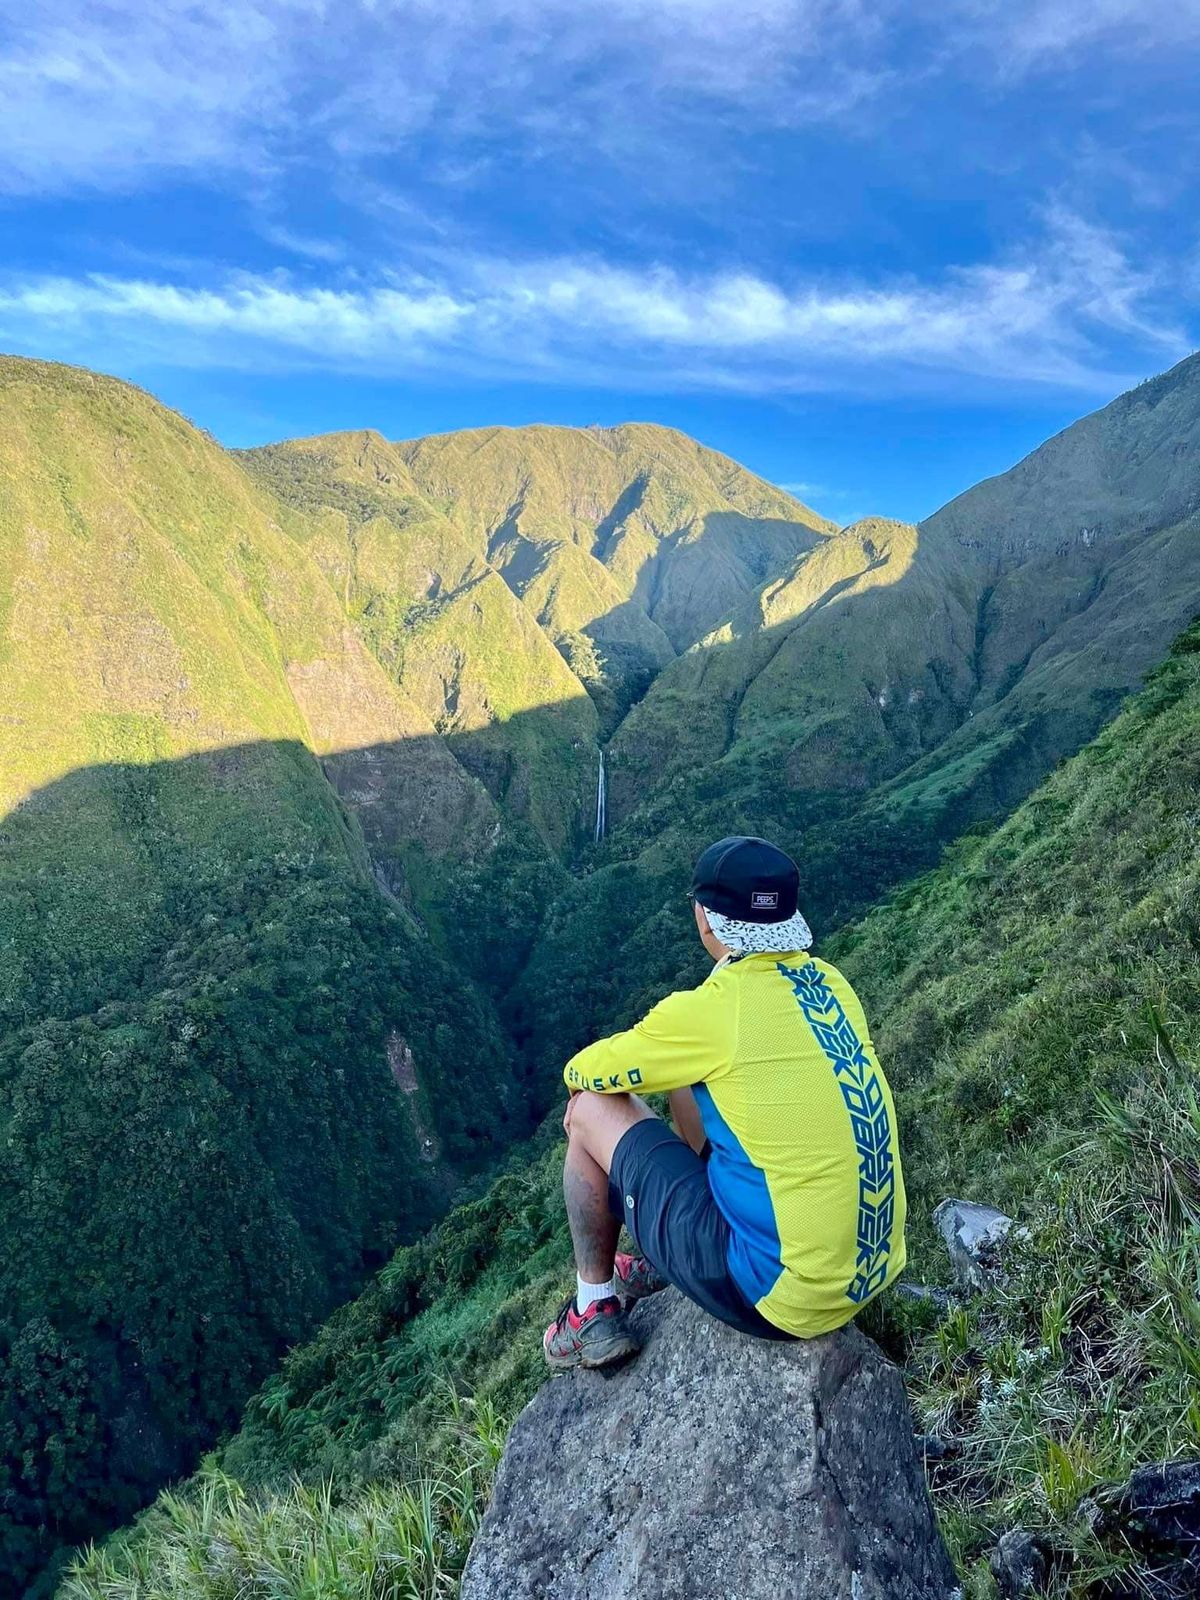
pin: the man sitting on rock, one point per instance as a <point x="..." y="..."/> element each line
<point x="778" y="1207"/>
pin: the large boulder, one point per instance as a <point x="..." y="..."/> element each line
<point x="714" y="1465"/>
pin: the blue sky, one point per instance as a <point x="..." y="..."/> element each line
<point x="875" y="251"/>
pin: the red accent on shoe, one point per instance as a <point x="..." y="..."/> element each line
<point x="571" y="1318"/>
<point x="598" y="1308"/>
<point x="637" y="1277"/>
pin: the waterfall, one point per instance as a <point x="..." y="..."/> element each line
<point x="601" y="801"/>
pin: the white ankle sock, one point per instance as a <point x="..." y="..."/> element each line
<point x="586" y="1294"/>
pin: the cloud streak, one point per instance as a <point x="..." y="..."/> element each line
<point x="110" y="94"/>
<point x="115" y="94"/>
<point x="1046" y="31"/>
<point x="1051" y="317"/>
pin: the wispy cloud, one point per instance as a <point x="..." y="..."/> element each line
<point x="308" y="246"/>
<point x="112" y="95"/>
<point x="1039" y="32"/>
<point x="1049" y="316"/>
<point x="106" y="95"/>
<point x="324" y="323"/>
<point x="824" y="492"/>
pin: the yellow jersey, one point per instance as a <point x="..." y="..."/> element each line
<point x="805" y="1165"/>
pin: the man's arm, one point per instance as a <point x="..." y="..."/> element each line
<point x="686" y="1039"/>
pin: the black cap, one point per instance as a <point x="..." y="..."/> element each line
<point x="747" y="879"/>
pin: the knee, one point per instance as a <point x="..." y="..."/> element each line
<point x="598" y="1120"/>
<point x="589" y="1110"/>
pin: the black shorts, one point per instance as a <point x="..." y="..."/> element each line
<point x="658" y="1186"/>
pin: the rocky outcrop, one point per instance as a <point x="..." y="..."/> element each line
<point x="1160" y="1505"/>
<point x="714" y="1466"/>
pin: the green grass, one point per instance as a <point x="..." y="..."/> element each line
<point x="405" y="1541"/>
<point x="1038" y="999"/>
<point x="1082" y="1363"/>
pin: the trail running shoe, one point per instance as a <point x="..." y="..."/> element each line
<point x="637" y="1278"/>
<point x="596" y="1338"/>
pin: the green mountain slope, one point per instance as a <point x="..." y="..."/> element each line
<point x="199" y="978"/>
<point x="1029" y="605"/>
<point x="1037" y="1002"/>
<point x="839" y="667"/>
<point x="445" y="626"/>
<point x="498" y="573"/>
<point x="155" y="608"/>
<point x="232" y="718"/>
<point x="891" y="688"/>
<point x="870" y="692"/>
<point x="682" y="531"/>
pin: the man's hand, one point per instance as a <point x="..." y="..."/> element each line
<point x="570" y="1108"/>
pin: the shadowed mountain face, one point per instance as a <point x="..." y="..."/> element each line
<point x="297" y="783"/>
<point x="1030" y="604"/>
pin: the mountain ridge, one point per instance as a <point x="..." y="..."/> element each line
<point x="887" y="682"/>
<point x="198" y="973"/>
<point x="595" y="548"/>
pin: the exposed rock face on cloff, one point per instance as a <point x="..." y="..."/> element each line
<point x="714" y="1465"/>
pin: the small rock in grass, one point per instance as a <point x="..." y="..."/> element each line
<point x="927" y="1293"/>
<point x="1160" y="1504"/>
<point x="973" y="1235"/>
<point x="931" y="1448"/>
<point x="1018" y="1564"/>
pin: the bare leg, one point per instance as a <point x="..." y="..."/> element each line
<point x="594" y="1229"/>
<point x="595" y="1125"/>
<point x="685" y="1117"/>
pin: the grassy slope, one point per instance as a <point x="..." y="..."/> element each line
<point x="197" y="976"/>
<point x="445" y="626"/>
<point x="1040" y="1001"/>
<point x="497" y="572"/>
<point x="1037" y="1002"/>
<point x="1039" y="594"/>
<point x="681" y="530"/>
<point x="886" y="687"/>
<point x="803" y="666"/>
<point x="156" y="609"/>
